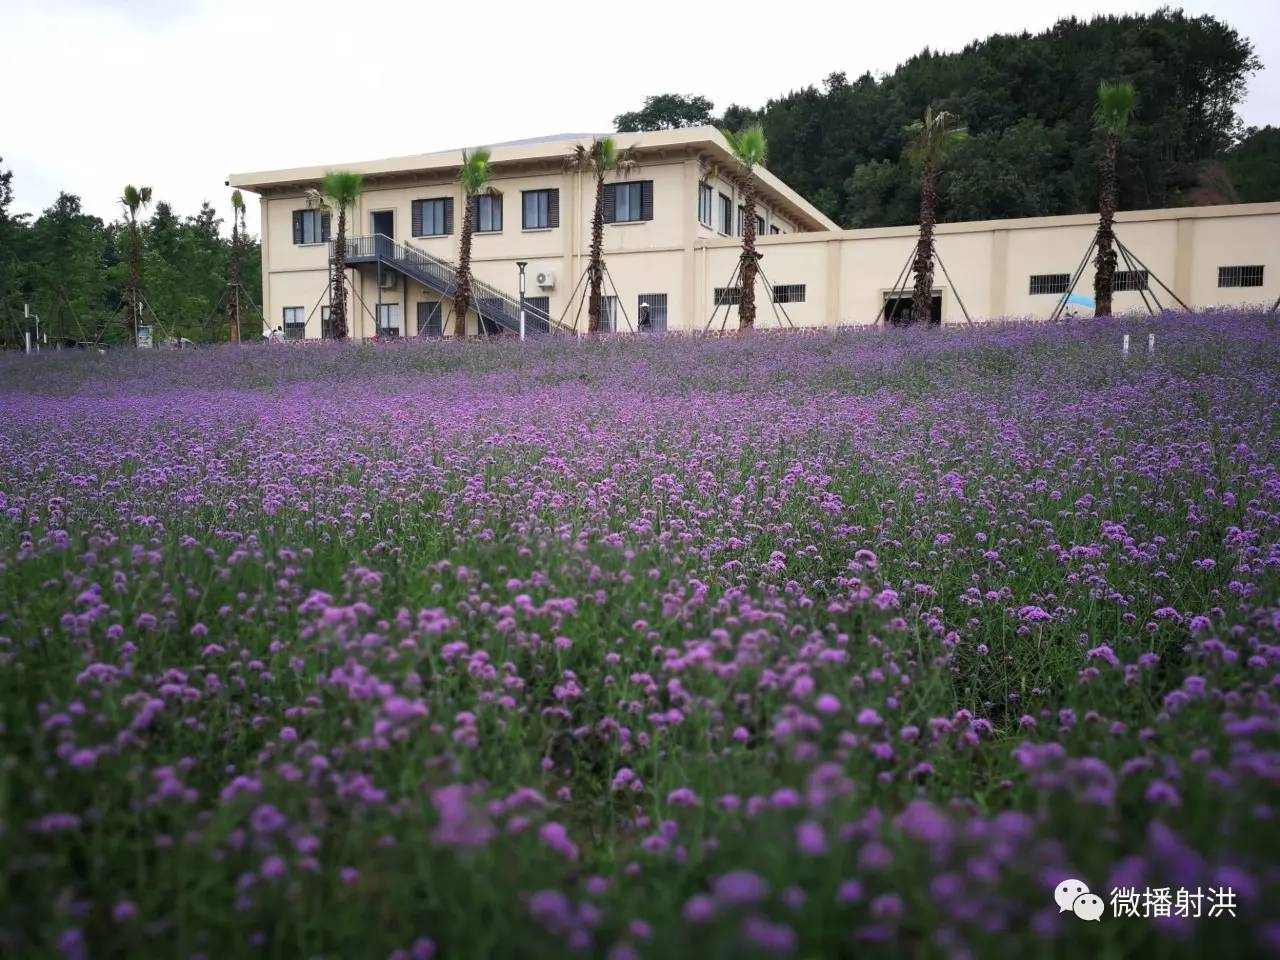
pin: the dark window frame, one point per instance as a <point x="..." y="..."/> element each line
<point x="731" y="296"/>
<point x="294" y="329"/>
<point x="726" y="215"/>
<point x="435" y="318"/>
<point x="552" y="204"/>
<point x="789" y="293"/>
<point x="657" y="311"/>
<point x="1243" y="275"/>
<point x="1130" y="281"/>
<point x="706" y="192"/>
<point x="1043" y="284"/>
<point x="494" y="202"/>
<point x="418" y="208"/>
<point x="643" y="190"/>
<point x="320" y="218"/>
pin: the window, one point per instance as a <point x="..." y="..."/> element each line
<point x="1049" y="283"/>
<point x="608" y="314"/>
<point x="773" y="230"/>
<point x="628" y="202"/>
<point x="759" y="226"/>
<point x="310" y="226"/>
<point x="326" y="322"/>
<point x="488" y="213"/>
<point x="295" y="323"/>
<point x="429" y="318"/>
<point x="1129" y="280"/>
<point x="706" y="198"/>
<point x="742" y="214"/>
<point x="789" y="293"/>
<point x="657" y="306"/>
<point x="388" y="319"/>
<point x="729" y="295"/>
<point x="726" y="214"/>
<point x="537" y="314"/>
<point x="541" y="209"/>
<point x="1240" y="276"/>
<point x="433" y="218"/>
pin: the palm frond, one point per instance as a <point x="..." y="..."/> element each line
<point x="1116" y="102"/>
<point x="930" y="138"/>
<point x="341" y="188"/>
<point x="237" y="200"/>
<point x="749" y="145"/>
<point x="475" y="173"/>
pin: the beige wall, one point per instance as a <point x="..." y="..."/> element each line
<point x="845" y="273"/>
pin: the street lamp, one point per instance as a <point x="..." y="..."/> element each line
<point x="522" y="264"/>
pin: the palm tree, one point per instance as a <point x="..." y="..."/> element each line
<point x="340" y="189"/>
<point x="474" y="177"/>
<point x="134" y="199"/>
<point x="233" y="267"/>
<point x="749" y="148"/>
<point x="599" y="159"/>
<point x="1111" y="117"/>
<point x="928" y="141"/>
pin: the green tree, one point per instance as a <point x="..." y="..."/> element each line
<point x="666" y="111"/>
<point x="1022" y="171"/>
<point x="749" y="148"/>
<point x="599" y="160"/>
<point x="475" y="176"/>
<point x="13" y="241"/>
<point x="928" y="142"/>
<point x="134" y="200"/>
<point x="340" y="189"/>
<point x="1254" y="165"/>
<point x="1111" y="117"/>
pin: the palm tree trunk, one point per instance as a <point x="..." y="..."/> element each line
<point x="131" y="290"/>
<point x="338" y="308"/>
<point x="462" y="295"/>
<point x="233" y="282"/>
<point x="922" y="296"/>
<point x="747" y="290"/>
<point x="595" y="269"/>
<point x="1105" y="261"/>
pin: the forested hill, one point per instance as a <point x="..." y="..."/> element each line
<point x="1027" y="101"/>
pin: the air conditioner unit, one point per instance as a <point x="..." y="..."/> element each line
<point x="545" y="279"/>
<point x="389" y="280"/>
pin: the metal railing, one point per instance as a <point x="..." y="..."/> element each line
<point x="442" y="276"/>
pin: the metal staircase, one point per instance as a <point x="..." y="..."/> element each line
<point x="497" y="310"/>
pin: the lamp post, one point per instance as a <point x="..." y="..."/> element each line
<point x="522" y="264"/>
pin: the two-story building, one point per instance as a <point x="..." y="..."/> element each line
<point x="671" y="243"/>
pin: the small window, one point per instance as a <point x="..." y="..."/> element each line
<point x="1129" y="280"/>
<point x="655" y="305"/>
<point x="728" y="295"/>
<point x="706" y="198"/>
<point x="429" y="314"/>
<point x="773" y="230"/>
<point x="1049" y="283"/>
<point x="541" y="209"/>
<point x="326" y="322"/>
<point x="295" y="323"/>
<point x="488" y="213"/>
<point x="1250" y="276"/>
<point x="537" y="314"/>
<point x="789" y="293"/>
<point x="388" y="319"/>
<point x="310" y="226"/>
<point x="742" y="219"/>
<point x="433" y="218"/>
<point x="759" y="226"/>
<point x="628" y="202"/>
<point x="726" y="215"/>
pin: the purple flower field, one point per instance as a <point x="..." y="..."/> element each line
<point x="812" y="645"/>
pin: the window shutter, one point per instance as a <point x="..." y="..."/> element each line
<point x="475" y="211"/>
<point x="646" y="199"/>
<point x="324" y="228"/>
<point x="297" y="226"/>
<point x="553" y="208"/>
<point x="448" y="215"/>
<point x="416" y="229"/>
<point x="610" y="203"/>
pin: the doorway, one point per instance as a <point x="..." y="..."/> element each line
<point x="384" y="222"/>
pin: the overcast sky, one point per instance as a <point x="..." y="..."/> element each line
<point x="177" y="94"/>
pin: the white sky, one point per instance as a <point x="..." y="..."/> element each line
<point x="177" y="94"/>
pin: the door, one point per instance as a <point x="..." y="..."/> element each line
<point x="384" y="222"/>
